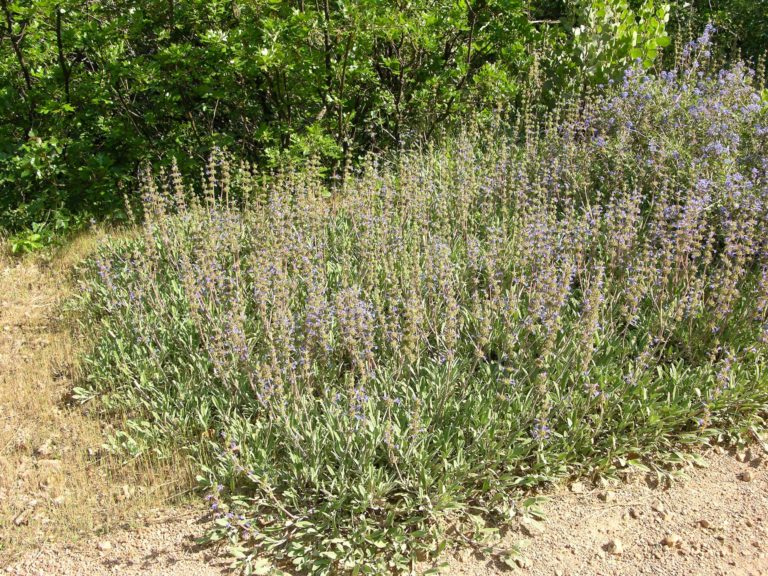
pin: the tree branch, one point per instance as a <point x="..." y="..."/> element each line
<point x="65" y="69"/>
<point x="16" y="40"/>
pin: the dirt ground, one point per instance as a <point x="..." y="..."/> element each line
<point x="712" y="522"/>
<point x="56" y="481"/>
<point x="67" y="509"/>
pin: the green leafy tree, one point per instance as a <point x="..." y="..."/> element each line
<point x="610" y="34"/>
<point x="91" y="90"/>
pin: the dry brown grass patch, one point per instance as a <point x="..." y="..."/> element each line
<point x="56" y="481"/>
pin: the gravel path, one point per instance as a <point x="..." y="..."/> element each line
<point x="715" y="522"/>
<point x="165" y="546"/>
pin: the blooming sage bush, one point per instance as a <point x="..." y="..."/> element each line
<point x="368" y="372"/>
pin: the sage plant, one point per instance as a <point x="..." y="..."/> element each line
<point x="358" y="366"/>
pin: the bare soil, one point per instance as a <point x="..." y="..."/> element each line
<point x="714" y="521"/>
<point x="57" y="483"/>
<point x="163" y="545"/>
<point x="67" y="510"/>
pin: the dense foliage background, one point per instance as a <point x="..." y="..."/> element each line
<point x="90" y="90"/>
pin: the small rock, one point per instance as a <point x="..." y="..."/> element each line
<point x="747" y="476"/>
<point x="704" y="523"/>
<point x="105" y="545"/>
<point x="633" y="514"/>
<point x="608" y="496"/>
<point x="615" y="547"/>
<point x="531" y="527"/>
<point x="22" y="517"/>
<point x="671" y="540"/>
<point x="44" y="450"/>
<point x="58" y="501"/>
<point x="522" y="562"/>
<point x="126" y="492"/>
<point x="659" y="507"/>
<point x="578" y="488"/>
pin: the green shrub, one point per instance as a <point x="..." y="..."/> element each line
<point x="88" y="91"/>
<point x="609" y="35"/>
<point x="743" y="25"/>
<point x="367" y="373"/>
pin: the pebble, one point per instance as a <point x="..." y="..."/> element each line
<point x="704" y="523"/>
<point x="531" y="527"/>
<point x="616" y="547"/>
<point x="522" y="562"/>
<point x="105" y="545"/>
<point x="578" y="488"/>
<point x="22" y="517"/>
<point x="671" y="540"/>
<point x="608" y="496"/>
<point x="44" y="450"/>
<point x="747" y="476"/>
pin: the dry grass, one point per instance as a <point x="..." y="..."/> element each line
<point x="56" y="482"/>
